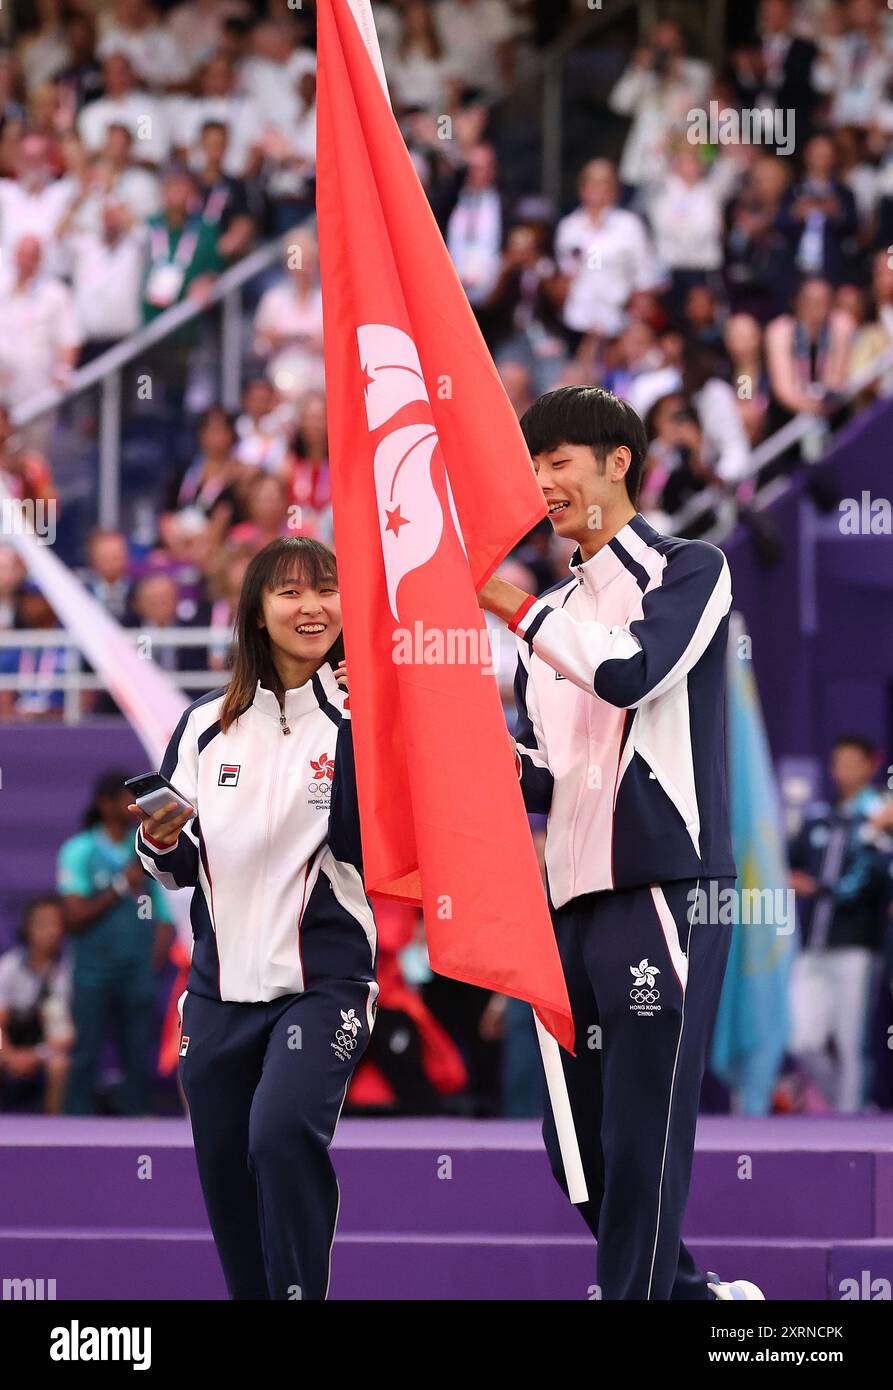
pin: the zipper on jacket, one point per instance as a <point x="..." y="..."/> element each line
<point x="274" y="785"/>
<point x="283" y="724"/>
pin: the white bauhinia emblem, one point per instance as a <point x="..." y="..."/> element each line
<point x="410" y="514"/>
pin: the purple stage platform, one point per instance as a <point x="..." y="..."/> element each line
<point x="446" y="1209"/>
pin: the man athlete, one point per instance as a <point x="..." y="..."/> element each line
<point x="621" y="691"/>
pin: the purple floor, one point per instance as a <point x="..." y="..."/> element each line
<point x="446" y="1209"/>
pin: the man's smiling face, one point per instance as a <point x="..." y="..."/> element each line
<point x="576" y="488"/>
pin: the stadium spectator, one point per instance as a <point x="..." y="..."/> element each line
<point x="263" y="426"/>
<point x="876" y="338"/>
<point x="219" y="101"/>
<point x="676" y="466"/>
<point x="268" y="515"/>
<point x="120" y="928"/>
<point x="748" y="375"/>
<point x="108" y="570"/>
<point x="421" y="76"/>
<point x="476" y="226"/>
<point x="156" y="603"/>
<point x="110" y="176"/>
<point x="288" y="323"/>
<point x="223" y="200"/>
<point x="224" y="588"/>
<point x="124" y="103"/>
<point x="36" y="1030"/>
<point x="686" y="219"/>
<point x="80" y="81"/>
<point x="657" y="90"/>
<point x="703" y="324"/>
<point x="775" y="73"/>
<point x="306" y="471"/>
<point x="12" y="573"/>
<point x="33" y="203"/>
<point x="197" y="27"/>
<point x="275" y="60"/>
<point x="517" y="379"/>
<point x="818" y="216"/>
<point x="106" y="278"/>
<point x="604" y="254"/>
<point x="184" y="255"/>
<point x="523" y="312"/>
<point x="210" y="485"/>
<point x="758" y="268"/>
<point x="45" y="53"/>
<point x="476" y="36"/>
<point x="38" y="696"/>
<point x="853" y="68"/>
<point x="288" y="144"/>
<point x="25" y="473"/>
<point x="840" y="877"/>
<point x="807" y="352"/>
<point x="133" y="27"/>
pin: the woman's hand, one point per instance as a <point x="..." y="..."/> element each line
<point x="340" y="674"/>
<point x="162" y="826"/>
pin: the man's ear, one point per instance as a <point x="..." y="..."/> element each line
<point x="619" y="463"/>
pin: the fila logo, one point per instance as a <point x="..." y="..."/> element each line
<point x="559" y="676"/>
<point x="184" y="1045"/>
<point x="229" y="774"/>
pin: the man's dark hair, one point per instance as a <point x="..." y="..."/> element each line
<point x="587" y="415"/>
<point x="864" y="745"/>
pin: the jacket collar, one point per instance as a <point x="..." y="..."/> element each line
<point x="616" y="557"/>
<point x="320" y="690"/>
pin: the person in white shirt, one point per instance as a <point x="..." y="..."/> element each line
<point x="45" y="53"/>
<point x="477" y="40"/>
<point x="219" y="101"/>
<point x="197" y="27"/>
<point x="125" y="104"/>
<point x="605" y="254"/>
<point x="656" y="92"/>
<point x="288" y="145"/>
<point x="686" y="218"/>
<point x="420" y="75"/>
<point x="273" y="67"/>
<point x="39" y="334"/>
<point x="107" y="276"/>
<point x="475" y="229"/>
<point x="288" y="324"/>
<point x="33" y="202"/>
<point x="853" y="69"/>
<point x="111" y="176"/>
<point x="133" y="28"/>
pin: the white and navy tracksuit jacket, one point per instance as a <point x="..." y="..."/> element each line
<point x="274" y="852"/>
<point x="281" y="996"/>
<point x="621" y="742"/>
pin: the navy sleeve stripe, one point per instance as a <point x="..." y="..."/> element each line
<point x="639" y="573"/>
<point x="324" y="703"/>
<point x="210" y="733"/>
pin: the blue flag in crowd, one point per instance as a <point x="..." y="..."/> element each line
<point x="752" y="1026"/>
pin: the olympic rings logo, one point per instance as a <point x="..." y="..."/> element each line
<point x="345" y="1040"/>
<point x="644" y="996"/>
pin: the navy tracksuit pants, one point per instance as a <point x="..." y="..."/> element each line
<point x="265" y="1084"/>
<point x="644" y="976"/>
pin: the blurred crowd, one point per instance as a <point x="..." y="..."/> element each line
<point x="721" y="285"/>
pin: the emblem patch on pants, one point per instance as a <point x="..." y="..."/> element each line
<point x="346" y="1035"/>
<point x="643" y="993"/>
<point x="184" y="1045"/>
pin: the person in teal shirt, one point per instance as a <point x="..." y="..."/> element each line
<point x="120" y="927"/>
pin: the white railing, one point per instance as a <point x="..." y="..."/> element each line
<point x="73" y="679"/>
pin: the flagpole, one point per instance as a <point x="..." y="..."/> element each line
<point x="561" y="1113"/>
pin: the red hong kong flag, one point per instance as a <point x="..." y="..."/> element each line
<point x="432" y="486"/>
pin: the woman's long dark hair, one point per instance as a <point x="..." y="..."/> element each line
<point x="291" y="557"/>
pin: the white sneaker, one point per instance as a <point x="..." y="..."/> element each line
<point x="738" y="1289"/>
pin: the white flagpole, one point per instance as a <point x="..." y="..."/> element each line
<point x="561" y="1112"/>
<point x="362" y="13"/>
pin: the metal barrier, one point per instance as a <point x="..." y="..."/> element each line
<point x="73" y="679"/>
